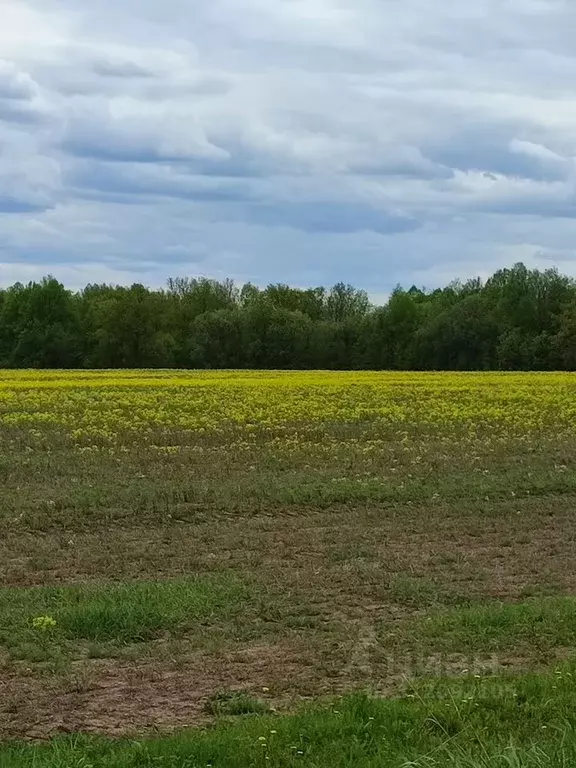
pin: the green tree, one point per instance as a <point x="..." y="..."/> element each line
<point x="345" y="301"/>
<point x="39" y="326"/>
<point x="519" y="319"/>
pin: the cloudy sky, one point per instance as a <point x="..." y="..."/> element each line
<point x="302" y="141"/>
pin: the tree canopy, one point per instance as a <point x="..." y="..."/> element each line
<point x="519" y="319"/>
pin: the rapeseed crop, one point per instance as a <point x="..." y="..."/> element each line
<point x="111" y="407"/>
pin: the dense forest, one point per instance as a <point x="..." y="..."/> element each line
<point x="518" y="319"/>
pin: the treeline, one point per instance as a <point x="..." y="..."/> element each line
<point x="519" y="319"/>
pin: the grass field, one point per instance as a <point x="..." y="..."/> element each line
<point x="347" y="569"/>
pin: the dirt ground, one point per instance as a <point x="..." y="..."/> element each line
<point x="326" y="583"/>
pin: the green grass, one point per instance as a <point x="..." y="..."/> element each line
<point x="115" y="500"/>
<point x="61" y="488"/>
<point x="525" y="721"/>
<point x="542" y="623"/>
<point x="120" y="613"/>
<point x="422" y="593"/>
<point x="235" y="703"/>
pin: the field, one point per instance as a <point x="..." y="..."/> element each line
<point x="347" y="569"/>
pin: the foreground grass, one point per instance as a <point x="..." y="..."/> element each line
<point x="64" y="486"/>
<point x="37" y="621"/>
<point x="546" y="623"/>
<point x="533" y="629"/>
<point x="517" y="721"/>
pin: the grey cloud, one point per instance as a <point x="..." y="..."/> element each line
<point x="298" y="139"/>
<point x="87" y="81"/>
<point x="271" y="204"/>
<point x="149" y="74"/>
<point x="494" y="149"/>
<point x="135" y="141"/>
<point x="332" y="217"/>
<point x="29" y="175"/>
<point x="120" y="149"/>
<point x="20" y="100"/>
<point x="21" y="112"/>
<point x="15" y="85"/>
<point x="121" y="69"/>
<point x="411" y="164"/>
<point x="145" y="137"/>
<point x="14" y="205"/>
<point x="127" y="180"/>
<point x="301" y="145"/>
<point x="535" y="206"/>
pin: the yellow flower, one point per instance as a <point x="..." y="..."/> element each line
<point x="43" y="623"/>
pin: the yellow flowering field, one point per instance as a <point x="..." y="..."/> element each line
<point x="103" y="439"/>
<point x="113" y="405"/>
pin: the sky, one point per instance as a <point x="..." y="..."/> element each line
<point x="374" y="142"/>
